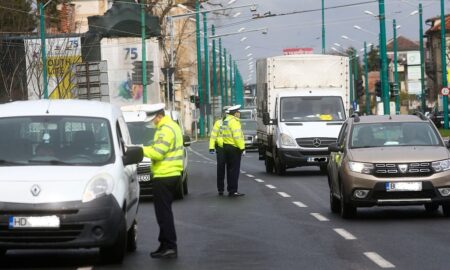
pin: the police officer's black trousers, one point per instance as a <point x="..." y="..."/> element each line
<point x="220" y="155"/>
<point x="233" y="163"/>
<point x="163" y="193"/>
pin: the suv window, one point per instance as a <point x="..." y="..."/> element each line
<point x="394" y="134"/>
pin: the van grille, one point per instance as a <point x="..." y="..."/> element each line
<point x="319" y="142"/>
<point x="64" y="234"/>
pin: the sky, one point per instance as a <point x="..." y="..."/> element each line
<point x="305" y="29"/>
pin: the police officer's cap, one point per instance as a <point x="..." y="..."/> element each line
<point x="234" y="109"/>
<point x="153" y="109"/>
<point x="225" y="108"/>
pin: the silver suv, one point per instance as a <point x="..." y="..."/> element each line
<point x="389" y="160"/>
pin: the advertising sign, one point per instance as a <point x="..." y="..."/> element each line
<point x="293" y="51"/>
<point x="62" y="54"/>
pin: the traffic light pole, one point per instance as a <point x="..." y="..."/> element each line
<point x="43" y="47"/>
<point x="444" y="63"/>
<point x="226" y="77"/>
<point x="207" y="82"/>
<point x="214" y="68"/>
<point x="366" y="79"/>
<point x="396" y="85"/>
<point x="144" y="56"/>
<point x="323" y="26"/>
<point x="422" y="60"/>
<point x="384" y="66"/>
<point x="199" y="66"/>
<point x="355" y="79"/>
<point x="222" y="93"/>
<point x="352" y="81"/>
<point x="231" y="81"/>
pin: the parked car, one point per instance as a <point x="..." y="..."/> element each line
<point x="249" y="129"/>
<point x="141" y="132"/>
<point x="389" y="160"/>
<point x="67" y="177"/>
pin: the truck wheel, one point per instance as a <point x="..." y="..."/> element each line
<point x="269" y="164"/>
<point x="185" y="186"/>
<point x="280" y="167"/>
<point x="132" y="237"/>
<point x="116" y="252"/>
<point x="347" y="210"/>
<point x="179" y="192"/>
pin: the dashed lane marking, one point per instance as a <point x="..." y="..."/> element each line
<point x="250" y="175"/>
<point x="259" y="180"/>
<point x="243" y="171"/>
<point x="345" y="234"/>
<point x="284" y="194"/>
<point x="319" y="217"/>
<point x="85" y="268"/>
<point x="300" y="204"/>
<point x="271" y="187"/>
<point x="377" y="259"/>
<point x="199" y="154"/>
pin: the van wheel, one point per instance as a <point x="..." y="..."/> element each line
<point x="280" y="167"/>
<point x="446" y="209"/>
<point x="334" y="203"/>
<point x="185" y="186"/>
<point x="269" y="164"/>
<point x="132" y="237"/>
<point x="347" y="210"/>
<point x="116" y="252"/>
<point x="324" y="168"/>
<point x="431" y="207"/>
<point x="179" y="192"/>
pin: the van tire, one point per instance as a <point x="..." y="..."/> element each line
<point x="132" y="237"/>
<point x="179" y="190"/>
<point x="280" y="167"/>
<point x="116" y="252"/>
<point x="269" y="164"/>
<point x="446" y="209"/>
<point x="185" y="186"/>
<point x="431" y="207"/>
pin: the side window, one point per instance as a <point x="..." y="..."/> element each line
<point x="120" y="139"/>
<point x="343" y="134"/>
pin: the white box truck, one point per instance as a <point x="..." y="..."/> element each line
<point x="302" y="102"/>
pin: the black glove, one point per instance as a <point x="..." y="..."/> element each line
<point x="212" y="151"/>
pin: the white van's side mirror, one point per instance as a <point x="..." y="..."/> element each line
<point x="133" y="155"/>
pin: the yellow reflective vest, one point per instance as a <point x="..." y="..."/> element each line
<point x="166" y="151"/>
<point x="232" y="132"/>
<point x="216" y="135"/>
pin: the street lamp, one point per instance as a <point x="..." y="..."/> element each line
<point x="357" y="27"/>
<point x="444" y="63"/>
<point x="422" y="57"/>
<point x="43" y="45"/>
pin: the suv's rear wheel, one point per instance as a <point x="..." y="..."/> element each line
<point x="347" y="210"/>
<point x="116" y="252"/>
<point x="446" y="209"/>
<point x="431" y="207"/>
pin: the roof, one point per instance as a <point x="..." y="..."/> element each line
<point x="435" y="24"/>
<point x="373" y="119"/>
<point x="65" y="107"/>
<point x="403" y="44"/>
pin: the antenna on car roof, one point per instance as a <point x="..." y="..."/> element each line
<point x="420" y="115"/>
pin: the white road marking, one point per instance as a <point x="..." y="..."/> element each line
<point x="380" y="261"/>
<point x="284" y="194"/>
<point x="271" y="187"/>
<point x="319" y="217"/>
<point x="345" y="234"/>
<point x="243" y="172"/>
<point x="250" y="175"/>
<point x="85" y="268"/>
<point x="259" y="180"/>
<point x="200" y="155"/>
<point x="300" y="204"/>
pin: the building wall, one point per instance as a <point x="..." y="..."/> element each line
<point x="86" y="8"/>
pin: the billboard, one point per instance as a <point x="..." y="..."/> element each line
<point x="62" y="54"/>
<point x="293" y="51"/>
<point x="120" y="54"/>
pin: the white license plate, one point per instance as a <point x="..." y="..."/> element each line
<point x="144" y="177"/>
<point x="403" y="186"/>
<point x="317" y="159"/>
<point x="34" y="222"/>
<point x="248" y="142"/>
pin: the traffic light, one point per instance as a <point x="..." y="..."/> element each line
<point x="378" y="88"/>
<point x="359" y="88"/>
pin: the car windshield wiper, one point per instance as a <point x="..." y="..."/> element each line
<point x="9" y="162"/>
<point x="51" y="162"/>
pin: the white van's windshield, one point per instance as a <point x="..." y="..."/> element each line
<point x="309" y="109"/>
<point x="55" y="140"/>
<point x="141" y="132"/>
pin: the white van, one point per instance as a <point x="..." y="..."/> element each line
<point x="67" y="177"/>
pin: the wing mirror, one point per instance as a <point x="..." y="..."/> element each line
<point x="133" y="155"/>
<point x="447" y="142"/>
<point x="267" y="121"/>
<point x="186" y="141"/>
<point x="334" y="147"/>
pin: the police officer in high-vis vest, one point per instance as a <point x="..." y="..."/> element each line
<point x="166" y="153"/>
<point x="234" y="147"/>
<point x="216" y="146"/>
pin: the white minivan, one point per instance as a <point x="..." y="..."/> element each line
<point x="67" y="177"/>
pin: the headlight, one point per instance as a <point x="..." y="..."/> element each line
<point x="286" y="140"/>
<point x="99" y="186"/>
<point x="358" y="167"/>
<point x="441" y="165"/>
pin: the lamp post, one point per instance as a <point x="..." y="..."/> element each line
<point x="207" y="82"/>
<point x="144" y="55"/>
<point x="214" y="64"/>
<point x="323" y="26"/>
<point x="199" y="67"/>
<point x="43" y="46"/>
<point x="231" y="81"/>
<point x="396" y="85"/>
<point x="422" y="59"/>
<point x="222" y="89"/>
<point x="444" y="63"/>
<point x="226" y="77"/>
<point x="384" y="66"/>
<point x="366" y="79"/>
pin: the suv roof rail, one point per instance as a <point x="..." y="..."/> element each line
<point x="355" y="115"/>
<point x="420" y="115"/>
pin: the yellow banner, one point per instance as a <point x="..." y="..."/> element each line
<point x="59" y="68"/>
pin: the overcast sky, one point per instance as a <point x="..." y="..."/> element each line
<point x="304" y="30"/>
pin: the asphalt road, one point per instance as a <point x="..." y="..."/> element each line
<point x="281" y="223"/>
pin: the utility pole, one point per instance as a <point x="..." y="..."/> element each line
<point x="366" y="79"/>
<point x="144" y="55"/>
<point x="422" y="60"/>
<point x="43" y="47"/>
<point x="352" y="81"/>
<point x="207" y="82"/>
<point x="231" y="82"/>
<point x="199" y="67"/>
<point x="444" y="63"/>
<point x="323" y="26"/>
<point x="222" y="91"/>
<point x="355" y="78"/>
<point x="396" y="86"/>
<point x="214" y="68"/>
<point x="384" y="66"/>
<point x="226" y="77"/>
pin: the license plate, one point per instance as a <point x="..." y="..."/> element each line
<point x="403" y="186"/>
<point x="144" y="177"/>
<point x="248" y="142"/>
<point x="317" y="159"/>
<point x="34" y="222"/>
